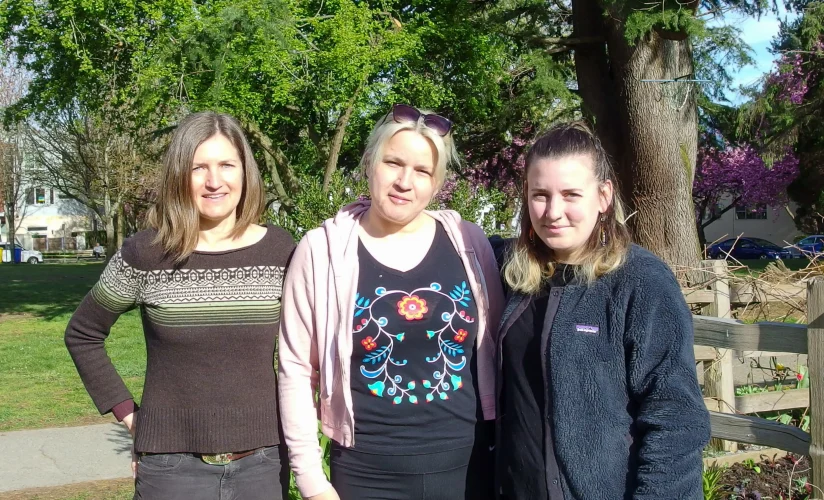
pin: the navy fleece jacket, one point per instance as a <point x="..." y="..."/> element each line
<point x="628" y="418"/>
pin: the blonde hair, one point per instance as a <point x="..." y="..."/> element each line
<point x="530" y="261"/>
<point x="386" y="128"/>
<point x="175" y="215"/>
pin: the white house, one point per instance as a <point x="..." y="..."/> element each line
<point x="43" y="211"/>
<point x="770" y="223"/>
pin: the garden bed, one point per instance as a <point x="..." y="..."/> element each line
<point x="776" y="477"/>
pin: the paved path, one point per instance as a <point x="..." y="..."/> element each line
<point x="54" y="457"/>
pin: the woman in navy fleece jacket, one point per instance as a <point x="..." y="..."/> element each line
<point x="597" y="386"/>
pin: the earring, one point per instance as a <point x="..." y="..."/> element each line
<point x="603" y="231"/>
<point x="531" y="235"/>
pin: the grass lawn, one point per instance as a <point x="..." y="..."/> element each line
<point x="756" y="266"/>
<point x="39" y="386"/>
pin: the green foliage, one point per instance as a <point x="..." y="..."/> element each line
<point x="746" y="390"/>
<point x="314" y="206"/>
<point x="750" y="464"/>
<point x="488" y="207"/>
<point x="674" y="18"/>
<point x="711" y="480"/>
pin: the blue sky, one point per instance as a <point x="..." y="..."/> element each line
<point x="758" y="34"/>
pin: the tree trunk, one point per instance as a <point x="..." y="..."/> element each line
<point x="337" y="140"/>
<point x="11" y="214"/>
<point x="111" y="238"/>
<point x="652" y="143"/>
<point x="120" y="227"/>
<point x="283" y="177"/>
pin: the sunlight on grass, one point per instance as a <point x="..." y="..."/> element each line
<point x="39" y="386"/>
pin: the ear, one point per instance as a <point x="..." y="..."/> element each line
<point x="606" y="193"/>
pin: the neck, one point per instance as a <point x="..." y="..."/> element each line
<point x="212" y="232"/>
<point x="378" y="227"/>
<point x="571" y="258"/>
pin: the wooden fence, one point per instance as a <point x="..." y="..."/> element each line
<point x="717" y="337"/>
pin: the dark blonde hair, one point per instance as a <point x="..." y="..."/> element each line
<point x="175" y="215"/>
<point x="531" y="262"/>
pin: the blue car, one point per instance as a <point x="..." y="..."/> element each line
<point x="748" y="248"/>
<point x="811" y="246"/>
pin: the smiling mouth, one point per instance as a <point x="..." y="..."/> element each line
<point x="214" y="196"/>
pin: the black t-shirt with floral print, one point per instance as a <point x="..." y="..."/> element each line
<point x="413" y="360"/>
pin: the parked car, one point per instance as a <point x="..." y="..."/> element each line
<point x="811" y="246"/>
<point x="30" y="256"/>
<point x="748" y="248"/>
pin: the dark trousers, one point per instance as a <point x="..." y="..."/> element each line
<point x="462" y="474"/>
<point x="183" y="476"/>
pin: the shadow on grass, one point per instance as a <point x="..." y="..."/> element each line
<point x="45" y="291"/>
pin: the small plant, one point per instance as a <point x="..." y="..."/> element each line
<point x="712" y="482"/>
<point x="751" y="465"/>
<point x="802" y="486"/>
<point x="746" y="390"/>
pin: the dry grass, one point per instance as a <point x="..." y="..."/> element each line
<point x="117" y="489"/>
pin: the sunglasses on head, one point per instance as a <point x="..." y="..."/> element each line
<point x="404" y="113"/>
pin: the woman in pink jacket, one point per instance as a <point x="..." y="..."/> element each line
<point x="391" y="312"/>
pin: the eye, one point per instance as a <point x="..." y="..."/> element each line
<point x="198" y="167"/>
<point x="228" y="165"/>
<point x="424" y="172"/>
<point x="572" y="195"/>
<point x="539" y="197"/>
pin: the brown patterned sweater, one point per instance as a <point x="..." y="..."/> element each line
<point x="210" y="328"/>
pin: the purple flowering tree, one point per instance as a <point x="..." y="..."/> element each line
<point x="740" y="176"/>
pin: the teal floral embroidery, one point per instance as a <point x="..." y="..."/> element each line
<point x="448" y="359"/>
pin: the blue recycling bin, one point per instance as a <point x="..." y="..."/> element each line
<point x="18" y="254"/>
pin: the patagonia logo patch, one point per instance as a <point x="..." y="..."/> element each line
<point x="589" y="329"/>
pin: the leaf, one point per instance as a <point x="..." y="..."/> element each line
<point x="377" y="356"/>
<point x="451" y="348"/>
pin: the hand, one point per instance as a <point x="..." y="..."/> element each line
<point x="128" y="421"/>
<point x="329" y="494"/>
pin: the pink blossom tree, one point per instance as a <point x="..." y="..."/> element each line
<point x="739" y="175"/>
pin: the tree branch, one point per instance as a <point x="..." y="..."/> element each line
<point x="550" y="42"/>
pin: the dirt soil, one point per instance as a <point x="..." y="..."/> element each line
<point x="773" y="478"/>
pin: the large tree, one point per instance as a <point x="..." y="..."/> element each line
<point x="631" y="61"/>
<point x="733" y="176"/>
<point x="94" y="162"/>
<point x="13" y="174"/>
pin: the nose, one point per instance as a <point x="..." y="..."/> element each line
<point x="404" y="180"/>
<point x="213" y="178"/>
<point x="555" y="208"/>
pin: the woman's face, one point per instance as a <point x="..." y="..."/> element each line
<point x="565" y="201"/>
<point x="402" y="183"/>
<point x="217" y="179"/>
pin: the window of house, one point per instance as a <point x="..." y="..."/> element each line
<point x="39" y="196"/>
<point x="758" y="212"/>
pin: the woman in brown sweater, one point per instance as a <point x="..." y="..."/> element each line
<point x="207" y="280"/>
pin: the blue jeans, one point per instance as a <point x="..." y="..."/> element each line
<point x="183" y="476"/>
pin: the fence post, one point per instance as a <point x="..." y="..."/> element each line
<point x="718" y="377"/>
<point x="815" y="370"/>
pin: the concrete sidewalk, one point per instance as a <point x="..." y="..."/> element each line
<point x="59" y="456"/>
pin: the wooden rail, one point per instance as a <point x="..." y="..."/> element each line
<point x="754" y="430"/>
<point x="717" y="338"/>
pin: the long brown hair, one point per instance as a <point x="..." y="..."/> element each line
<point x="175" y="215"/>
<point x="531" y="262"/>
